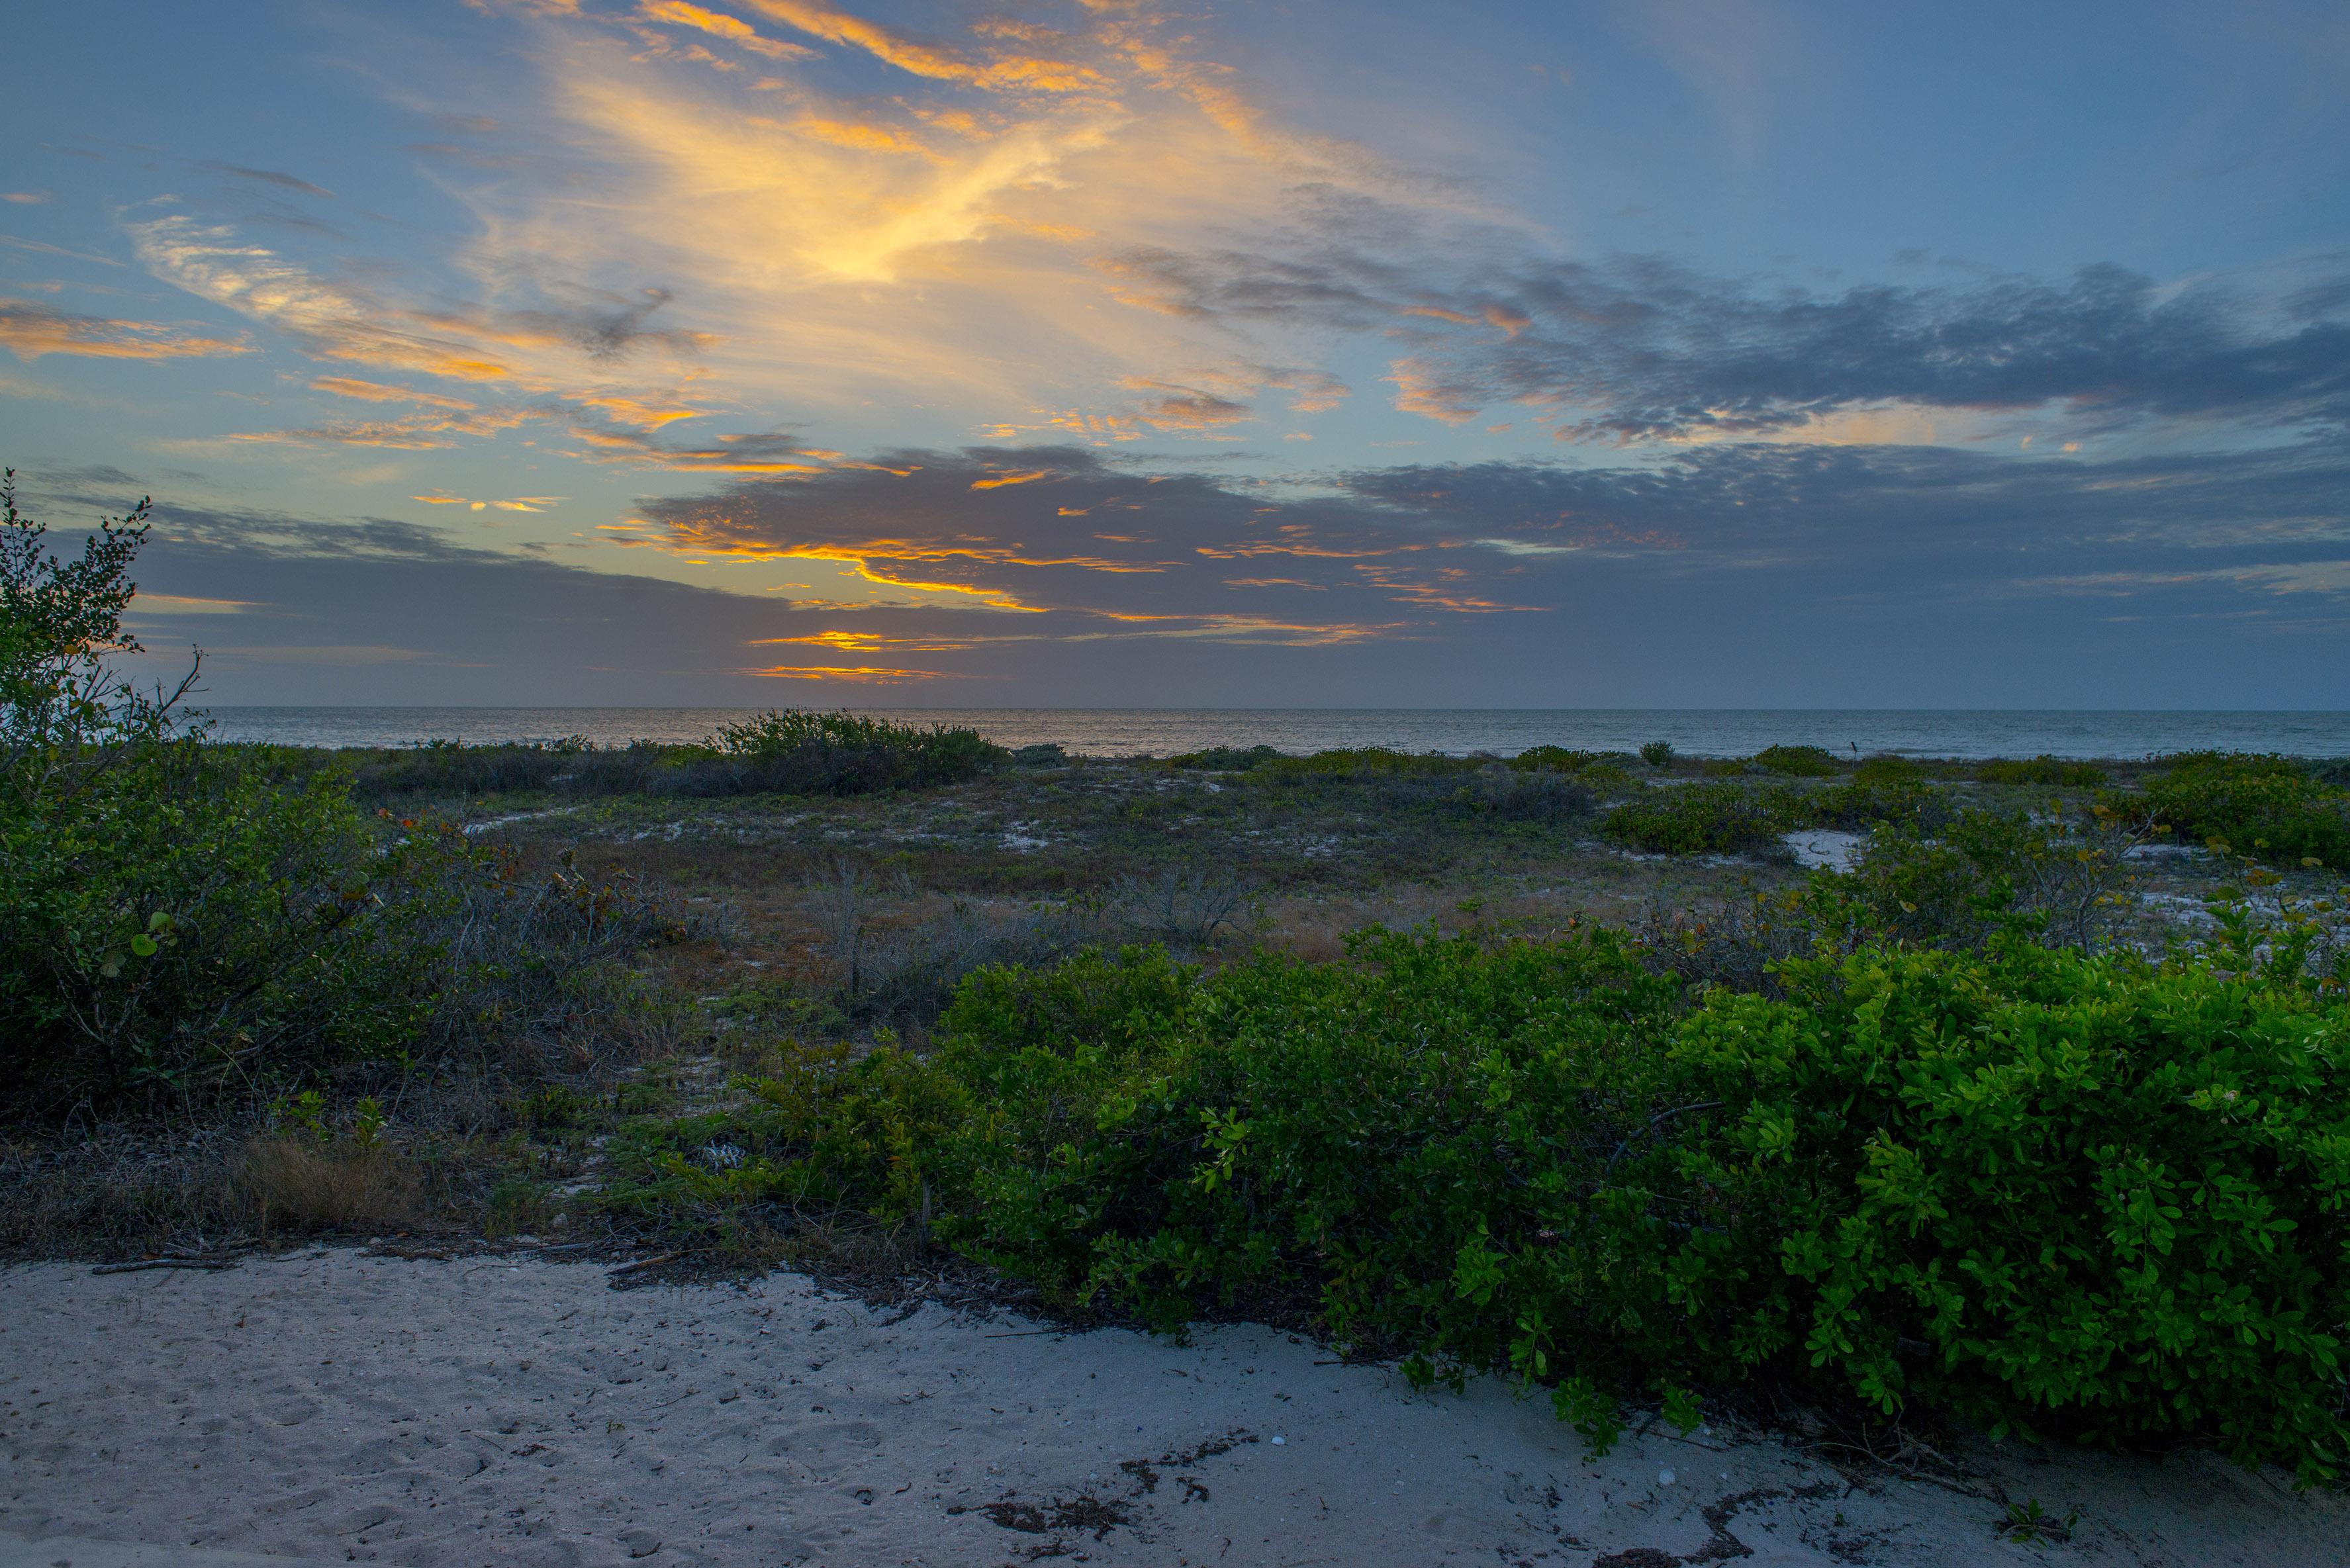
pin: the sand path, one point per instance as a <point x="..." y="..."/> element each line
<point x="334" y="1407"/>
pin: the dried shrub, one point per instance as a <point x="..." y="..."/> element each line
<point x="298" y="1183"/>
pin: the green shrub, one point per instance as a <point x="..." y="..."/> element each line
<point x="1560" y="759"/>
<point x="2041" y="1190"/>
<point x="1345" y="1141"/>
<point x="179" y="918"/>
<point x="1888" y="769"/>
<point x="1700" y="820"/>
<point x="1224" y="759"/>
<point x="1797" y="762"/>
<point x="1657" y="753"/>
<point x="786" y="753"/>
<point x="1866" y="801"/>
<point x="841" y="753"/>
<point x="2046" y="771"/>
<point x="2046" y="1192"/>
<point x="1367" y="761"/>
<point x="2266" y="806"/>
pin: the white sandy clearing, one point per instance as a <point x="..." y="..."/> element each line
<point x="336" y="1406"/>
<point x="1825" y="847"/>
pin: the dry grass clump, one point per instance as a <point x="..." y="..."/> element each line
<point x="299" y="1185"/>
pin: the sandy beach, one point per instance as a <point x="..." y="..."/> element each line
<point x="333" y="1405"/>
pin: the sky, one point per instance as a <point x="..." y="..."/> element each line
<point x="1711" y="353"/>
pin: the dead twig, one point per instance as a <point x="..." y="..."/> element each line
<point x="211" y="1265"/>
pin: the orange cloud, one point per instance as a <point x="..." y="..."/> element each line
<point x="734" y="30"/>
<point x="32" y="330"/>
<point x="378" y="393"/>
<point x="866" y="137"/>
<point x="1011" y="73"/>
<point x="1418" y="391"/>
<point x="863" y="642"/>
<point x="997" y="481"/>
<point x="856" y="674"/>
<point x="632" y="410"/>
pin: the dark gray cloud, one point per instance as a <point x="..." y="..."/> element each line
<point x="610" y="330"/>
<point x="1637" y="347"/>
<point x="266" y="177"/>
<point x="1769" y="574"/>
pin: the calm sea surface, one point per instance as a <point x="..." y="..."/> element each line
<point x="1162" y="732"/>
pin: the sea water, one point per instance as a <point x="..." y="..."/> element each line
<point x="1164" y="732"/>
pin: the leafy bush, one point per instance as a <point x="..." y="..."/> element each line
<point x="1699" y="819"/>
<point x="1957" y="882"/>
<point x="1366" y="760"/>
<point x="2041" y="1190"/>
<point x="1224" y="759"/>
<point x="1392" y="788"/>
<point x="1562" y="759"/>
<point x="2266" y="806"/>
<point x="842" y="753"/>
<point x="179" y="917"/>
<point x="1866" y="801"/>
<point x="1798" y="762"/>
<point x="2046" y="771"/>
<point x="1885" y="768"/>
<point x="784" y="752"/>
<point x="1657" y="753"/>
<point x="1345" y="1140"/>
<point x="2048" y="1192"/>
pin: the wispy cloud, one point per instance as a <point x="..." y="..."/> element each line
<point x="31" y="330"/>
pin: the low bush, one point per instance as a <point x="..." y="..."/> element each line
<point x="2041" y="1190"/>
<point x="2268" y="807"/>
<point x="842" y="753"/>
<point x="1225" y="758"/>
<point x="1867" y="802"/>
<point x="1955" y="882"/>
<point x="1796" y="761"/>
<point x="1657" y="753"/>
<point x="2045" y="771"/>
<point x="1700" y="820"/>
<point x="1560" y="759"/>
<point x="180" y="919"/>
<point x="2047" y="1192"/>
<point x="1885" y="768"/>
<point x="789" y="752"/>
<point x="1395" y="789"/>
<point x="1367" y="761"/>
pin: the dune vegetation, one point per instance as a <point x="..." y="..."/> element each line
<point x="2030" y="1113"/>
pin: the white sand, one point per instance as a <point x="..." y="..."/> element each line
<point x="333" y="1406"/>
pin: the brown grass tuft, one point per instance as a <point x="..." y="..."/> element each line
<point x="303" y="1184"/>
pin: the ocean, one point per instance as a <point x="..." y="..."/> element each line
<point x="1163" y="731"/>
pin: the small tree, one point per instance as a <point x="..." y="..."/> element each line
<point x="60" y="623"/>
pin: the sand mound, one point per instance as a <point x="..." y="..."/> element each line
<point x="336" y="1406"/>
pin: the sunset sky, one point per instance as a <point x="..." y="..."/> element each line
<point x="1717" y="352"/>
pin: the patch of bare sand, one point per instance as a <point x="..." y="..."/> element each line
<point x="336" y="1406"/>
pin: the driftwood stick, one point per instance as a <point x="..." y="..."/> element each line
<point x="208" y="1264"/>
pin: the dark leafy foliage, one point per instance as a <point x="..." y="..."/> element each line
<point x="2041" y="1190"/>
<point x="786" y="753"/>
<point x="2053" y="772"/>
<point x="2049" y="1192"/>
<point x="1225" y="758"/>
<point x="1799" y="762"/>
<point x="180" y="919"/>
<point x="1721" y="818"/>
<point x="2268" y="807"/>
